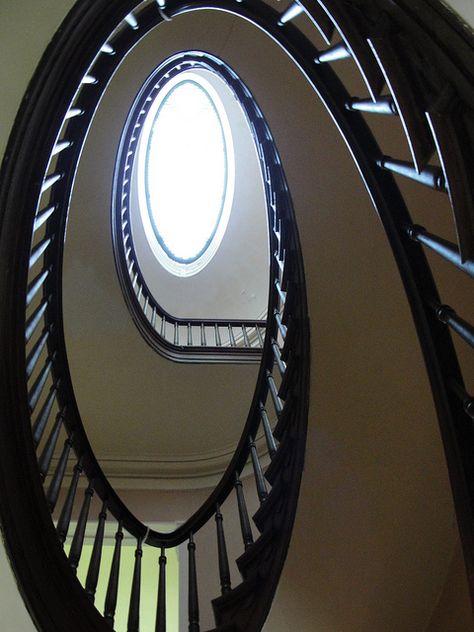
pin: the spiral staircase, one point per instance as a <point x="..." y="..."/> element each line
<point x="415" y="71"/>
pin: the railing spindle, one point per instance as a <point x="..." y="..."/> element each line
<point x="62" y="527"/>
<point x="218" y="335"/>
<point x="161" y="605"/>
<point x="43" y="416"/>
<point x="441" y="247"/>
<point x="277" y="353"/>
<point x="274" y="394"/>
<point x="78" y="539"/>
<point x="203" y="335"/>
<point x="50" y="445"/>
<point x="112" y="586"/>
<point x="224" y="572"/>
<point x="190" y="334"/>
<point x="245" y="335"/>
<point x="267" y="429"/>
<point x="193" y="603"/>
<point x="35" y="318"/>
<point x="231" y="336"/>
<point x="247" y="536"/>
<point x="56" y="481"/>
<point x="37" y="388"/>
<point x="176" y="334"/>
<point x="257" y="468"/>
<point x="96" y="556"/>
<point x="133" y="623"/>
<point x="35" y="353"/>
<point x="36" y="285"/>
<point x="465" y="398"/>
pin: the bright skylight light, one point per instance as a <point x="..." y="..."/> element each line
<point x="186" y="170"/>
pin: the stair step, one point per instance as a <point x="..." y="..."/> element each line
<point x="271" y="511"/>
<point x="256" y="558"/>
<point x="281" y="460"/>
<point x="232" y="608"/>
<point x="224" y="628"/>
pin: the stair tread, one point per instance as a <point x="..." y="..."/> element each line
<point x="255" y="552"/>
<point x="280" y="460"/>
<point x="267" y="508"/>
<point x="234" y="600"/>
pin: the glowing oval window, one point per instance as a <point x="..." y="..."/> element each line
<point x="187" y="162"/>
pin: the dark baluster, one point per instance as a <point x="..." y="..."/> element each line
<point x="153" y="318"/>
<point x="231" y="335"/>
<point x="96" y="557"/>
<point x="37" y="388"/>
<point x="243" y="513"/>
<point x="218" y="335"/>
<point x="281" y="294"/>
<point x="35" y="353"/>
<point x="448" y="316"/>
<point x="35" y="318"/>
<point x="293" y="11"/>
<point x="246" y="338"/>
<point x="43" y="216"/>
<point x="50" y="445"/>
<point x="133" y="624"/>
<point x="333" y="53"/>
<point x="131" y="21"/>
<point x="73" y="113"/>
<point x="78" y="539"/>
<point x="163" y="327"/>
<point x="279" y="262"/>
<point x="280" y="363"/>
<point x="271" y="444"/>
<point x="203" y="335"/>
<point x="465" y="398"/>
<point x="60" y="146"/>
<point x="383" y="105"/>
<point x="112" y="587"/>
<point x="43" y="415"/>
<point x="224" y="572"/>
<point x="56" y="481"/>
<point x="62" y="527"/>
<point x="193" y="602"/>
<point x="274" y="394"/>
<point x="257" y="469"/>
<point x="430" y="176"/>
<point x="38" y="250"/>
<point x="36" y="285"/>
<point x="161" y="606"/>
<point x="176" y="334"/>
<point x="49" y="181"/>
<point x="444" y="248"/>
<point x="190" y="334"/>
<point x="107" y="49"/>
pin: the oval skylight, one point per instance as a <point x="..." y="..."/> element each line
<point x="186" y="168"/>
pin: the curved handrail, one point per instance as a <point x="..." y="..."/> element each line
<point x="179" y="339"/>
<point x="393" y="44"/>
